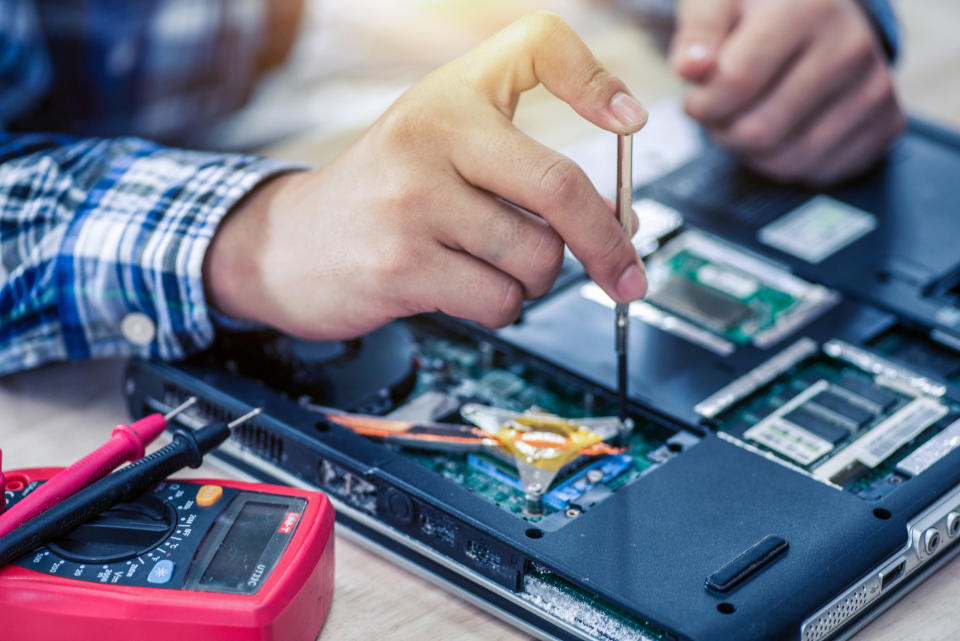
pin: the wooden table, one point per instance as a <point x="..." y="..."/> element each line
<point x="49" y="416"/>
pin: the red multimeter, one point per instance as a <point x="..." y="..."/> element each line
<point x="204" y="560"/>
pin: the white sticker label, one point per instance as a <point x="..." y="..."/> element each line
<point x="790" y="440"/>
<point x="874" y="447"/>
<point x="817" y="229"/>
<point x="726" y="280"/>
<point x="932" y="451"/>
<point x="898" y="430"/>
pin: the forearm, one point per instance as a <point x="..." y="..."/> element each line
<point x="102" y="244"/>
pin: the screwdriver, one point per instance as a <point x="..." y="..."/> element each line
<point x="124" y="485"/>
<point x="126" y="443"/>
<point x="624" y="206"/>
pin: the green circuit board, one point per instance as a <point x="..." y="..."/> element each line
<point x="507" y="496"/>
<point x="735" y="296"/>
<point x="466" y="371"/>
<point x="840" y="423"/>
<point x="718" y="297"/>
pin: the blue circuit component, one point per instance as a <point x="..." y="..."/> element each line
<point x="491" y="470"/>
<point x="569" y="490"/>
<point x="576" y="486"/>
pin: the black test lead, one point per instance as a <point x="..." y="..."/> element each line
<point x="624" y="212"/>
<point x="126" y="484"/>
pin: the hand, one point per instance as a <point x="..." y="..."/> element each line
<point x="441" y="205"/>
<point x="800" y="88"/>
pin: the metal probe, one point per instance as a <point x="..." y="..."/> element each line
<point x="624" y="214"/>
<point x="126" y="443"/>
<point x="126" y="484"/>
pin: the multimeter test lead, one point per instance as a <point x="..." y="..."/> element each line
<point x="126" y="443"/>
<point x="624" y="206"/>
<point x="3" y="485"/>
<point x="124" y="485"/>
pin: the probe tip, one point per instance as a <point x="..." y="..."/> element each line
<point x="246" y="417"/>
<point x="180" y="408"/>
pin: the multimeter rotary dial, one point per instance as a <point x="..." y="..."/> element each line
<point x="123" y="532"/>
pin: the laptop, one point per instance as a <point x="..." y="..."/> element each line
<point x="791" y="464"/>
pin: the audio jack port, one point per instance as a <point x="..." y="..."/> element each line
<point x="931" y="540"/>
<point x="953" y="524"/>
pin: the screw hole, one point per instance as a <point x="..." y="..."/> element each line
<point x="726" y="608"/>
<point x="882" y="513"/>
<point x="534" y="533"/>
<point x="674" y="447"/>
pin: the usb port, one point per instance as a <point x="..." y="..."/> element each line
<point x="890" y="575"/>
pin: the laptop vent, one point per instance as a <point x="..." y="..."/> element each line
<point x="260" y="442"/>
<point x="836" y="616"/>
<point x="251" y="436"/>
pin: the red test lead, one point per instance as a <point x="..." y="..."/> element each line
<point x="3" y="486"/>
<point x="126" y="443"/>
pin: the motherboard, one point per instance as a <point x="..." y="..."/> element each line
<point x="841" y="414"/>
<point x="455" y="371"/>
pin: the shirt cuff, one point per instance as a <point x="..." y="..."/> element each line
<point x="884" y="22"/>
<point x="130" y="266"/>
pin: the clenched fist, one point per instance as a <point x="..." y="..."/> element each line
<point x="800" y="88"/>
<point x="441" y="205"/>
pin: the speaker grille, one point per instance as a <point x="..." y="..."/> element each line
<point x="836" y="616"/>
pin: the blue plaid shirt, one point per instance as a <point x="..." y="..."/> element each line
<point x="96" y="230"/>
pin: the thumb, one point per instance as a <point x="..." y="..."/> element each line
<point x="542" y="48"/>
<point x="702" y="26"/>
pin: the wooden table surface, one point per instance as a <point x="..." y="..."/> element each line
<point x="51" y="415"/>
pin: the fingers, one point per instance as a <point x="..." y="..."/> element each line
<point x="495" y="156"/>
<point x="465" y="287"/>
<point x="702" y="26"/>
<point x="823" y="151"/>
<point x="542" y="48"/>
<point x="503" y="160"/>
<point x="798" y="97"/>
<point x="760" y="47"/>
<point x="516" y="242"/>
<point x="861" y="150"/>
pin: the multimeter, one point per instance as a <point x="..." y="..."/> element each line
<point x="191" y="559"/>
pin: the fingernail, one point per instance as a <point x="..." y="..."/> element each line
<point x="632" y="284"/>
<point x="628" y="110"/>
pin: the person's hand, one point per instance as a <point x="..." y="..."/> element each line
<point x="441" y="205"/>
<point x="800" y="88"/>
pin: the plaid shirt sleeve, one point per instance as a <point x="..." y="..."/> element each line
<point x="885" y="24"/>
<point x="96" y="231"/>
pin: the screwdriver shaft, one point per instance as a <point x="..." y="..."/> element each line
<point x="624" y="205"/>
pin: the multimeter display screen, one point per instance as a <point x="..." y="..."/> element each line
<point x="241" y="548"/>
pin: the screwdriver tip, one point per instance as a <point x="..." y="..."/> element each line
<point x="246" y="417"/>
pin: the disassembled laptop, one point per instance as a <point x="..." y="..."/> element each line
<point x="790" y="462"/>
